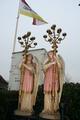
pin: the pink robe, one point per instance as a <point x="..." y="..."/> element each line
<point x="28" y="88"/>
<point x="51" y="79"/>
<point x="28" y="81"/>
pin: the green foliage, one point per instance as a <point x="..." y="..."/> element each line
<point x="8" y="103"/>
<point x="39" y="100"/>
<point x="69" y="105"/>
<point x="71" y="100"/>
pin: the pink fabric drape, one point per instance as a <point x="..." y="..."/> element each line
<point x="28" y="81"/>
<point x="51" y="79"/>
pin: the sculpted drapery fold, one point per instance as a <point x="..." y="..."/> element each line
<point x="28" y="86"/>
<point x="53" y="82"/>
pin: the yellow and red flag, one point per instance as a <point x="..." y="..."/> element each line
<point x="26" y="10"/>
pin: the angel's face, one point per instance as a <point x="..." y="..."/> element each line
<point x="50" y="54"/>
<point x="29" y="57"/>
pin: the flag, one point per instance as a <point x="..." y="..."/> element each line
<point x="26" y="10"/>
<point x="37" y="22"/>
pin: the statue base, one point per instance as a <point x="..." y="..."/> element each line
<point x="19" y="115"/>
<point x="54" y="116"/>
<point x="22" y="113"/>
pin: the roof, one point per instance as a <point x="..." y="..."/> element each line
<point x="3" y="82"/>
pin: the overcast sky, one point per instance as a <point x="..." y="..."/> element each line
<point x="63" y="13"/>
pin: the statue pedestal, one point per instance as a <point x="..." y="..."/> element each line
<point x="19" y="115"/>
<point x="55" y="116"/>
<point x="22" y="113"/>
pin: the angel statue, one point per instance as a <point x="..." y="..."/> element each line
<point x="53" y="81"/>
<point x="28" y="84"/>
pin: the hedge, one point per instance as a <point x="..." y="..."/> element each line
<point x="69" y="105"/>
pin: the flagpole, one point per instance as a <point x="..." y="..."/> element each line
<point x="15" y="35"/>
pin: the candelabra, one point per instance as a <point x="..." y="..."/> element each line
<point x="26" y="41"/>
<point x="54" y="37"/>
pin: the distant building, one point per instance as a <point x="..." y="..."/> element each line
<point x="3" y="83"/>
<point x="14" y="76"/>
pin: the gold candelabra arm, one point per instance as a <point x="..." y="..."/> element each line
<point x="54" y="36"/>
<point x="27" y="42"/>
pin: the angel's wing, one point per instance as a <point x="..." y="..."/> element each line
<point x="36" y="78"/>
<point x="62" y="74"/>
